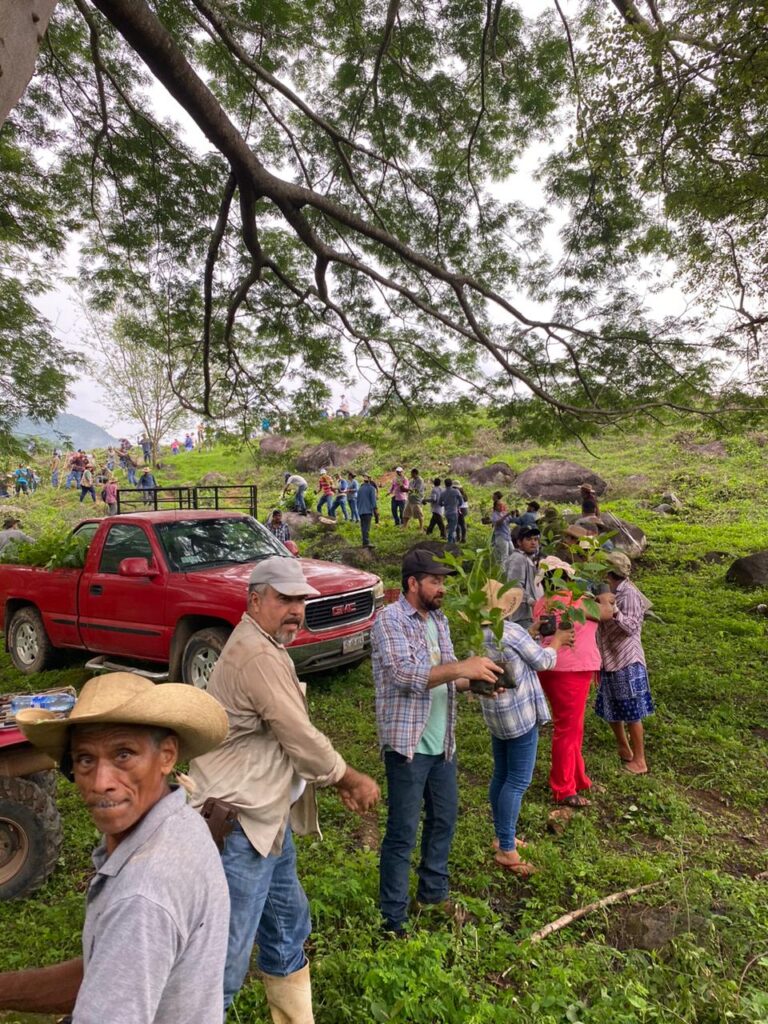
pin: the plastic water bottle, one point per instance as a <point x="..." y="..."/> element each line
<point x="49" y="701"/>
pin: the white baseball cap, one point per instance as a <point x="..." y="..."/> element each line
<point x="285" y="575"/>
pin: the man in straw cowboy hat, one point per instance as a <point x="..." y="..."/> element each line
<point x="155" y="933"/>
<point x="267" y="769"/>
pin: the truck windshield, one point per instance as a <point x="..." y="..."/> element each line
<point x="200" y="543"/>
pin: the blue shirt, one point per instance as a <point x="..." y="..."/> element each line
<point x="366" y="500"/>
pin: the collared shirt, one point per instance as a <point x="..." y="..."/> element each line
<point x="619" y="639"/>
<point x="156" y="924"/>
<point x="402" y="662"/>
<point x="279" y="530"/>
<point x="366" y="500"/>
<point x="399" y="488"/>
<point x="452" y="499"/>
<point x="270" y="741"/>
<point x="436" y="500"/>
<point x="520" y="569"/>
<point x="515" y="712"/>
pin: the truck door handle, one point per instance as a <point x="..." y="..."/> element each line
<point x="96" y="588"/>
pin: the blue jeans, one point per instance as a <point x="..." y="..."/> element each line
<point x="513" y="764"/>
<point x="353" y="513"/>
<point x="131" y="475"/>
<point x="429" y="781"/>
<point x="398" y="507"/>
<point x="298" y="502"/>
<point x="327" y="500"/>
<point x="452" y="520"/>
<point x="340" y="502"/>
<point x="268" y="906"/>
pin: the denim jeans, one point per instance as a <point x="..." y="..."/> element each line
<point x="353" y="513"/>
<point x="398" y="507"/>
<point x="132" y="475"/>
<point x="513" y="764"/>
<point x="87" y="490"/>
<point x="268" y="906"/>
<point x="339" y="502"/>
<point x="298" y="502"/>
<point x="327" y="500"/>
<point x="452" y="519"/>
<point x="428" y="781"/>
<point x="365" y="527"/>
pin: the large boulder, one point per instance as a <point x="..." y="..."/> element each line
<point x="321" y="456"/>
<point x="272" y="444"/>
<point x="628" y="538"/>
<point x="212" y="479"/>
<point x="466" y="464"/>
<point x="750" y="571"/>
<point x="557" y="480"/>
<point x="496" y="473"/>
<point x="351" y="453"/>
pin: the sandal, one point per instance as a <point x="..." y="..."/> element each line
<point x="575" y="801"/>
<point x="520" y="868"/>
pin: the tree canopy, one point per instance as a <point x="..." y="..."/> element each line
<point x="360" y="196"/>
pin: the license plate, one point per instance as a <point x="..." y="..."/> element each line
<point x="353" y="643"/>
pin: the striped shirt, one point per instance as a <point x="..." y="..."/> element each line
<point x="515" y="712"/>
<point x="619" y="639"/>
<point x="401" y="661"/>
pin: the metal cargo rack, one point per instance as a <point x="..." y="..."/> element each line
<point x="224" y="497"/>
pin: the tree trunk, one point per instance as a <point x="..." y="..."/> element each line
<point x="22" y="27"/>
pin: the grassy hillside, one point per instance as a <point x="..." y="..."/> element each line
<point x="692" y="948"/>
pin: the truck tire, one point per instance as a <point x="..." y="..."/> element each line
<point x="30" y="837"/>
<point x="45" y="780"/>
<point x="201" y="654"/>
<point x="28" y="644"/>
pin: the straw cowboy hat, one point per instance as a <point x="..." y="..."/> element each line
<point x="508" y="602"/>
<point x="619" y="563"/>
<point x="124" y="698"/>
<point x="552" y="562"/>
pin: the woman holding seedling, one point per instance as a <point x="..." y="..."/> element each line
<point x="514" y="717"/>
<point x="567" y="684"/>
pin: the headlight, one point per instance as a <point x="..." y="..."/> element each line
<point x="378" y="594"/>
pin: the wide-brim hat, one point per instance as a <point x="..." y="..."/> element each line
<point x="552" y="563"/>
<point x="620" y="564"/>
<point x="124" y="698"/>
<point x="508" y="602"/>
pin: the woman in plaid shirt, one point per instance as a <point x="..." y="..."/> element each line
<point x="514" y="719"/>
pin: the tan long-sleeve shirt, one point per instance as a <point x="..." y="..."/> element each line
<point x="271" y="742"/>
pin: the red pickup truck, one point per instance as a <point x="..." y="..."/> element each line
<point x="166" y="589"/>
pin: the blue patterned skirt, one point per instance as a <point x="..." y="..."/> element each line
<point x="624" y="695"/>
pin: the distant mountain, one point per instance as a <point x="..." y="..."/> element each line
<point x="82" y="433"/>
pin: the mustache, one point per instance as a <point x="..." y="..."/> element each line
<point x="291" y="621"/>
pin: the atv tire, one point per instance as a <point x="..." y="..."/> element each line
<point x="30" y="836"/>
<point x="28" y="645"/>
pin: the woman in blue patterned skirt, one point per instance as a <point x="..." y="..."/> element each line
<point x="624" y="695"/>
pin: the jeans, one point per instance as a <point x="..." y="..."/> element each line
<point x="131" y="475"/>
<point x="365" y="527"/>
<point x="87" y="490"/>
<point x="268" y="906"/>
<point x="354" y="515"/>
<point x="513" y="764"/>
<point x="436" y="521"/>
<point x="340" y="502"/>
<point x="327" y="500"/>
<point x="55" y="478"/>
<point x="429" y="781"/>
<point x="298" y="502"/>
<point x="461" y="527"/>
<point x="74" y="478"/>
<point x="452" y="519"/>
<point x="398" y="507"/>
<point x="501" y="547"/>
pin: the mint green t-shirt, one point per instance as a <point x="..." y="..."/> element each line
<point x="433" y="738"/>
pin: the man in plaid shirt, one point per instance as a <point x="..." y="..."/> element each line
<point x="416" y="676"/>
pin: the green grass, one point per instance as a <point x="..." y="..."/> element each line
<point x="696" y="826"/>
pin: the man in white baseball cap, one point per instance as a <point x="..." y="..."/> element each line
<point x="267" y="768"/>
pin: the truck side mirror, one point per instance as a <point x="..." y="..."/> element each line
<point x="136" y="568"/>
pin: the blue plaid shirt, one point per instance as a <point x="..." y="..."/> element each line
<point x="515" y="712"/>
<point x="401" y="667"/>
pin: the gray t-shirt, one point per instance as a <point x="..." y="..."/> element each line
<point x="7" y="536"/>
<point x="156" y="924"/>
<point x="452" y="498"/>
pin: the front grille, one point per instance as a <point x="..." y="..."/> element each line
<point x="339" y="610"/>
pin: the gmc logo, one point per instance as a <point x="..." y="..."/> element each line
<point x="343" y="609"/>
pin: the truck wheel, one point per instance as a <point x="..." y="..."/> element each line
<point x="201" y="654"/>
<point x="30" y="837"/>
<point x="45" y="780"/>
<point x="28" y="644"/>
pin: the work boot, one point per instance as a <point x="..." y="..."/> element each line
<point x="289" y="998"/>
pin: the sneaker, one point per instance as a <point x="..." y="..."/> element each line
<point x="393" y="931"/>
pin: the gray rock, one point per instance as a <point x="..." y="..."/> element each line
<point x="322" y="455"/>
<point x="274" y="445"/>
<point x="558" y="480"/>
<point x="352" y="453"/>
<point x="466" y="464"/>
<point x="496" y="473"/>
<point x="750" y="571"/>
<point x="670" y="498"/>
<point x="210" y="479"/>
<point x="628" y="538"/>
<point x="663" y="509"/>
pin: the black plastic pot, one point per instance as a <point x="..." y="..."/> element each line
<point x="507" y="678"/>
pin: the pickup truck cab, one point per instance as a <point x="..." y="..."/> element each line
<point x="166" y="588"/>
